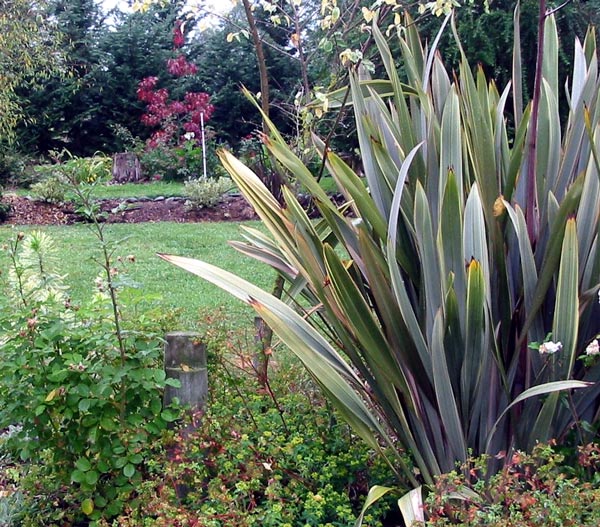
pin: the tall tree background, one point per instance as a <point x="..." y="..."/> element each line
<point x="29" y="54"/>
<point x="107" y="54"/>
<point x="62" y="110"/>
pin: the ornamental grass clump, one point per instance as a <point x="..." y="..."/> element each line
<point x="476" y="236"/>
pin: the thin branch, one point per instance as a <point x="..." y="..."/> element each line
<point x="556" y="9"/>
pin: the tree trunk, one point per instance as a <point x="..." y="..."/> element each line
<point x="126" y="168"/>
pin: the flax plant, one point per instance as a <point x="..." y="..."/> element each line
<point x="423" y="297"/>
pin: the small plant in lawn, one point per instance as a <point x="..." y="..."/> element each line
<point x="202" y="193"/>
<point x="83" y="383"/>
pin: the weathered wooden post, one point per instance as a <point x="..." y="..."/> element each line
<point x="126" y="168"/>
<point x="260" y="359"/>
<point x="185" y="360"/>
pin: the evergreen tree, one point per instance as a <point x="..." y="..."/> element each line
<point x="108" y="56"/>
<point x="63" y="110"/>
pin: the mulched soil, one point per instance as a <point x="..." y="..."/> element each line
<point x="25" y="211"/>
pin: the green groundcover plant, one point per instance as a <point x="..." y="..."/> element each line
<point x="534" y="489"/>
<point x="274" y="455"/>
<point x="451" y="306"/>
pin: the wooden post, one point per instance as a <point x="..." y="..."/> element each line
<point x="126" y="168"/>
<point x="185" y="360"/>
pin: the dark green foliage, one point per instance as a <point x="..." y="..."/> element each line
<point x="14" y="166"/>
<point x="180" y="163"/>
<point x="4" y="208"/>
<point x="63" y="110"/>
<point x="224" y="67"/>
<point x="108" y="62"/>
<point x="487" y="37"/>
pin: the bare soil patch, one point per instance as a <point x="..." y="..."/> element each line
<point x="25" y="211"/>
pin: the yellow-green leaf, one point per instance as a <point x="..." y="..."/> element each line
<point x="87" y="506"/>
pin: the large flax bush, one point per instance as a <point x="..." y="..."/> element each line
<point x="475" y="238"/>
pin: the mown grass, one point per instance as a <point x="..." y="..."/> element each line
<point x="151" y="189"/>
<point x="77" y="248"/>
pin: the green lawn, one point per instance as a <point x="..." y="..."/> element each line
<point x="78" y="247"/>
<point x="128" y="190"/>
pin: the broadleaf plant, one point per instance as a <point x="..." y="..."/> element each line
<point x="423" y="295"/>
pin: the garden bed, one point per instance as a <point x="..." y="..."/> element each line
<point x="25" y="211"/>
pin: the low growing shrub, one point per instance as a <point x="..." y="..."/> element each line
<point x="57" y="178"/>
<point x="531" y="490"/>
<point x="51" y="189"/>
<point x="82" y="388"/>
<point x="182" y="162"/>
<point x="4" y="208"/>
<point x="13" y="166"/>
<point x="260" y="456"/>
<point x="202" y="193"/>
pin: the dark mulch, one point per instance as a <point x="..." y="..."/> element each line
<point x="25" y="211"/>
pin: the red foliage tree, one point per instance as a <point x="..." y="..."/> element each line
<point x="175" y="119"/>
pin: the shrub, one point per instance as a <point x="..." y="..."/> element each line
<point x="13" y="166"/>
<point x="84" y="387"/>
<point x="52" y="188"/>
<point x="259" y="457"/>
<point x="4" y="208"/>
<point x="178" y="163"/>
<point x="202" y="193"/>
<point x="58" y="178"/>
<point x="531" y="490"/>
<point x="87" y="170"/>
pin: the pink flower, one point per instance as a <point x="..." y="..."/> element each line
<point x="593" y="348"/>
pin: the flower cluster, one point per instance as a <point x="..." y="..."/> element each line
<point x="593" y="348"/>
<point x="549" y="348"/>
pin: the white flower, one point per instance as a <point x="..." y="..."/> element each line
<point x="548" y="348"/>
<point x="189" y="136"/>
<point x="593" y="348"/>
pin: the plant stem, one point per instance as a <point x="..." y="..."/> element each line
<point x="260" y="59"/>
<point x="98" y="229"/>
